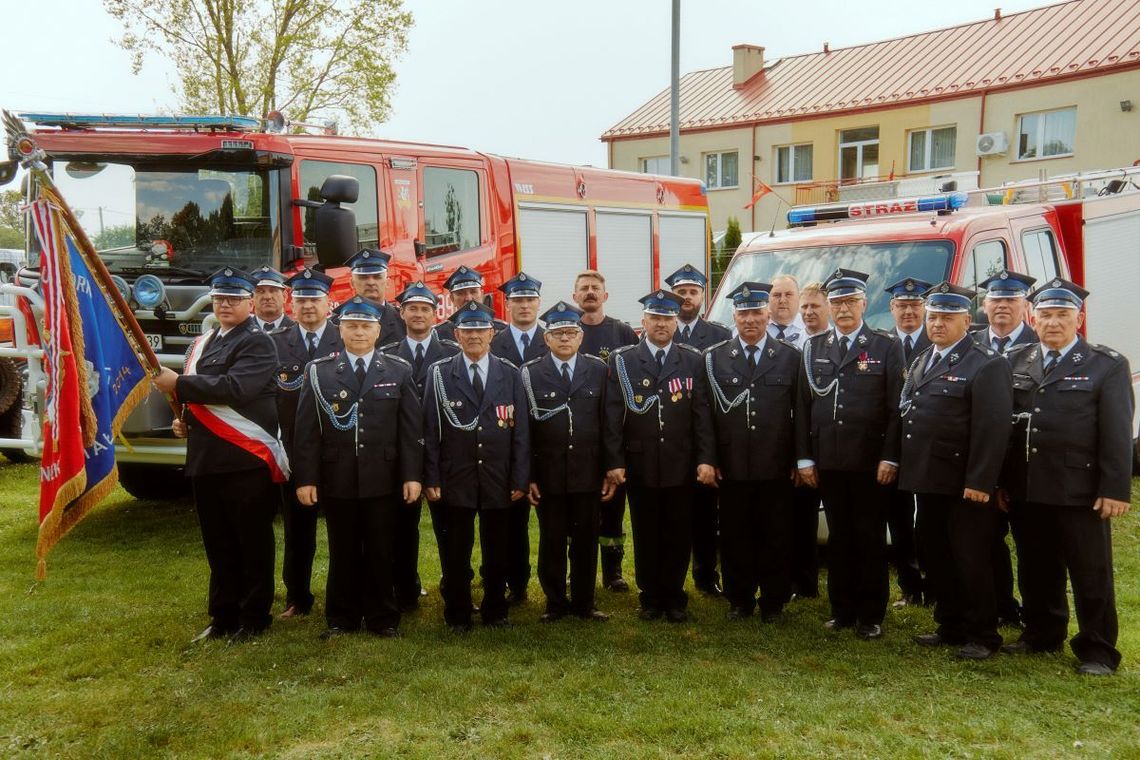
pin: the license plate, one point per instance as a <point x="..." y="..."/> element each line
<point x="155" y="341"/>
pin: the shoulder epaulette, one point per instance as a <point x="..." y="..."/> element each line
<point x="718" y="324"/>
<point x="789" y="344"/>
<point x="529" y="362"/>
<point x="687" y="347"/>
<point x="448" y="342"/>
<point x="389" y="349"/>
<point x="717" y="345"/>
<point x="504" y="361"/>
<point x="1109" y="352"/>
<point x="399" y="359"/>
<point x="281" y="330"/>
<point x="984" y="349"/>
<point x="593" y="358"/>
<point x="1017" y="348"/>
<point x="888" y="334"/>
<point x="621" y="349"/>
<point x="326" y="358"/>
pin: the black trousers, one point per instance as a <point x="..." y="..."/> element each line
<point x="568" y="527"/>
<point x="858" y="581"/>
<point x="805" y="541"/>
<point x="406" y="553"/>
<point x="755" y="542"/>
<point x="518" y="543"/>
<point x="611" y="526"/>
<point x="300" y="547"/>
<point x="235" y="513"/>
<point x="360" y="563"/>
<point x="460" y="541"/>
<point x="661" y="519"/>
<point x="904" y="547"/>
<point x="957" y="543"/>
<point x="1051" y="540"/>
<point x="437" y="510"/>
<point x="1007" y="605"/>
<point x="705" y="535"/>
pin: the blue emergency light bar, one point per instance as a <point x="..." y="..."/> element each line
<point x="867" y="209"/>
<point x="92" y="121"/>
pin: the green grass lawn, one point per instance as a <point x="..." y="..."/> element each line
<point x="95" y="662"/>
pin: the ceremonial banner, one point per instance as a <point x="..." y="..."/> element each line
<point x="94" y="378"/>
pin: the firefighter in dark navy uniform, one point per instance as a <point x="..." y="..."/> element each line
<point x="1067" y="475"/>
<point x="753" y="381"/>
<point x="908" y="312"/>
<point x="369" y="276"/>
<point x="566" y="394"/>
<point x="269" y="299"/>
<point x="477" y="462"/>
<point x="234" y="456"/>
<point x="602" y="334"/>
<point x="311" y="337"/>
<point x="464" y="286"/>
<point x="1006" y="303"/>
<point x="521" y="342"/>
<point x="847" y="442"/>
<point x="689" y="285"/>
<point x="955" y="409"/>
<point x="359" y="450"/>
<point x="421" y="348"/>
<point x="659" y="441"/>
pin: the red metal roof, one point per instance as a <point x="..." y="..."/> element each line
<point x="1069" y="39"/>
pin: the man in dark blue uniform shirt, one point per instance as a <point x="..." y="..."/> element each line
<point x="369" y="276"/>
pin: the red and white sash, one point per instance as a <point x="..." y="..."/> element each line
<point x="233" y="428"/>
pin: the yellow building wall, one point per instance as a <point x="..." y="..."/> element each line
<point x="1106" y="137"/>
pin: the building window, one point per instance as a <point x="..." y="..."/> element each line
<point x="720" y="170"/>
<point x="859" y="153"/>
<point x="655" y="165"/>
<point x="793" y="163"/>
<point x="451" y="210"/>
<point x="932" y="149"/>
<point x="1046" y="134"/>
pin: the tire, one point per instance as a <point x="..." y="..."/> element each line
<point x="11" y="384"/>
<point x="154" y="483"/>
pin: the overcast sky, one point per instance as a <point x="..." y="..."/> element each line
<point x="531" y="78"/>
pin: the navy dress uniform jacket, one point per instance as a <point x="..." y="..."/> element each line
<point x="476" y="468"/>
<point x="237" y="371"/>
<point x="381" y="452"/>
<point x="659" y="451"/>
<point x="292" y="356"/>
<point x="756" y="439"/>
<point x="860" y="428"/>
<point x="562" y="463"/>
<point x="957" y="426"/>
<point x="703" y="334"/>
<point x="1028" y="336"/>
<point x="503" y="346"/>
<point x="1080" y="440"/>
<point x="438" y="348"/>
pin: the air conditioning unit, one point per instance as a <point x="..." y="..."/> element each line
<point x="992" y="144"/>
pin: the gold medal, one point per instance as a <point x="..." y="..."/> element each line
<point x="502" y="423"/>
<point x="861" y="366"/>
<point x="336" y="407"/>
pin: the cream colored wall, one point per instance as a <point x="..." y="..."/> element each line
<point x="1106" y="137"/>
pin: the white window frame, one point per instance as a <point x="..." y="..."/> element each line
<point x="643" y="165"/>
<point x="792" y="164"/>
<point x="929" y="132"/>
<point x="859" y="145"/>
<point x="720" y="154"/>
<point x="1040" y="137"/>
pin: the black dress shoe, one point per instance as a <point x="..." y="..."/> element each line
<point x="1094" y="669"/>
<point x="974" y="651"/>
<point x="386" y="633"/>
<point x="515" y="598"/>
<point x="930" y="640"/>
<point x="244" y="634"/>
<point x="676" y="615"/>
<point x="709" y="589"/>
<point x="332" y="632"/>
<point x="1018" y="647"/>
<point x="737" y="612"/>
<point x="460" y="627"/>
<point x="649" y="613"/>
<point x="498" y="623"/>
<point x="595" y="615"/>
<point x="551" y="617"/>
<point x="618" y="585"/>
<point x="869" y="632"/>
<point x="212" y="631"/>
<point x="835" y="624"/>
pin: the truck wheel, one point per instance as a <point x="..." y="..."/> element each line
<point x="154" y="483"/>
<point x="11" y="384"/>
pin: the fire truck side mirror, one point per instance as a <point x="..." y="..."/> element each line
<point x="334" y="227"/>
<point x="7" y="171"/>
<point x="420" y="248"/>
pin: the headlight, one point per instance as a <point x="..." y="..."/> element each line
<point x="149" y="291"/>
<point x="121" y="286"/>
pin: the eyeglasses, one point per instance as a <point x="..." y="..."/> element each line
<point x="227" y="300"/>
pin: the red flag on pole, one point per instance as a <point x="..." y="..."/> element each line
<point x="761" y="190"/>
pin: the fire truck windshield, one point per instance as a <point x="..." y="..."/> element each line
<point x="171" y="220"/>
<point x="887" y="263"/>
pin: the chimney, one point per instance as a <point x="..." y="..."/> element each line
<point x="997" y="14"/>
<point x="747" y="61"/>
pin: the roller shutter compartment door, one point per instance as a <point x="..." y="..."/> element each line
<point x="625" y="257"/>
<point x="683" y="241"/>
<point x="555" y="247"/>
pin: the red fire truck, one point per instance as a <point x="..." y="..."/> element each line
<point x="1083" y="227"/>
<point x="169" y="200"/>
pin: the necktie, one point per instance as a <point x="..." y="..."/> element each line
<point x="477" y="381"/>
<point x="934" y="359"/>
<point x="844" y="344"/>
<point x="359" y="372"/>
<point x="267" y="327"/>
<point x="685" y="332"/>
<point x="525" y="340"/>
<point x="1054" y="360"/>
<point x="660" y="359"/>
<point x="1001" y="344"/>
<point x="566" y="373"/>
<point x="419" y="363"/>
<point x="311" y="339"/>
<point x="780" y="331"/>
<point x="908" y="347"/>
<point x="751" y="351"/>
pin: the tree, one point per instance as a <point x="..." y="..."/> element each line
<point x="305" y="58"/>
<point x="728" y="247"/>
<point x="11" y="220"/>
